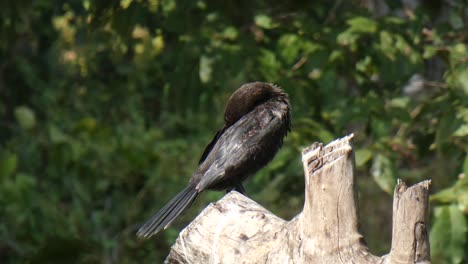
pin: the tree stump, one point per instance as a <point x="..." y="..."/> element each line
<point x="238" y="230"/>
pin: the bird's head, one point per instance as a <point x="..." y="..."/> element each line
<point x="248" y="96"/>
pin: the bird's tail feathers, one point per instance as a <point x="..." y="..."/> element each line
<point x="165" y="216"/>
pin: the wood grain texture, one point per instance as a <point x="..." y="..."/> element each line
<point x="238" y="230"/>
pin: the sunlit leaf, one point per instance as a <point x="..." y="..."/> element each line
<point x="383" y="172"/>
<point x="169" y="6"/>
<point x="347" y="38"/>
<point x="206" y="69"/>
<point x="363" y="156"/>
<point x="230" y="33"/>
<point x="336" y="55"/>
<point x="456" y="194"/>
<point x="461" y="131"/>
<point x="25" y="117"/>
<point x="125" y="3"/>
<point x="387" y="44"/>
<point x="362" y="25"/>
<point x="263" y="21"/>
<point x="462" y="79"/>
<point x="365" y="65"/>
<point x="465" y="166"/>
<point x="158" y="44"/>
<point x="448" y="234"/>
<point x="399" y="102"/>
<point x="289" y="47"/>
<point x="429" y="51"/>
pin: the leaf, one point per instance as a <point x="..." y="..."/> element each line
<point x="461" y="131"/>
<point x="448" y="123"/>
<point x="362" y="25"/>
<point x="429" y="51"/>
<point x="448" y="235"/>
<point x="289" y="47"/>
<point x="206" y="69"/>
<point x="394" y="20"/>
<point x="157" y="44"/>
<point x="445" y="196"/>
<point x="316" y="129"/>
<point x="324" y="135"/>
<point x="365" y="66"/>
<point x="25" y="182"/>
<point x="383" y="172"/>
<point x="230" y="33"/>
<point x="56" y="135"/>
<point x="462" y="113"/>
<point x="456" y="20"/>
<point x="458" y="193"/>
<point x="8" y="165"/>
<point x="25" y="117"/>
<point x="263" y="21"/>
<point x="125" y="3"/>
<point x="381" y="127"/>
<point x="169" y="6"/>
<point x="336" y="55"/>
<point x="363" y="156"/>
<point x="462" y="80"/>
<point x="387" y="44"/>
<point x="87" y="124"/>
<point x="270" y="65"/>
<point x="465" y="166"/>
<point x="347" y="38"/>
<point x="399" y="102"/>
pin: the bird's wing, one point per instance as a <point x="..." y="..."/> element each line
<point x="210" y="146"/>
<point x="232" y="147"/>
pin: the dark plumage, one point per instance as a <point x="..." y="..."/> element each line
<point x="257" y="118"/>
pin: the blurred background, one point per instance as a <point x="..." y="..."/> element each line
<point x="106" y="107"/>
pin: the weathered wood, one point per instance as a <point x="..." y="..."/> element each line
<point x="410" y="240"/>
<point x="237" y="230"/>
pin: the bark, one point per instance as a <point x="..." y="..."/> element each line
<point x="238" y="230"/>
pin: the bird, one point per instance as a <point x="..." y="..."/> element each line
<point x="257" y="118"/>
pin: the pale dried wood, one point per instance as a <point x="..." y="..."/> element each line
<point x="238" y="230"/>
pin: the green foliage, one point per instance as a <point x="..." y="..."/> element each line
<point x="25" y="117"/>
<point x="383" y="172"/>
<point x="448" y="234"/>
<point x="105" y="108"/>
